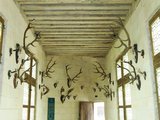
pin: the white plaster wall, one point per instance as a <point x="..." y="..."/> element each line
<point x="144" y="102"/>
<point x="10" y="98"/>
<point x="69" y="110"/>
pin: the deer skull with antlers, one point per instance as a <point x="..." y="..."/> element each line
<point x="18" y="75"/>
<point x="99" y="70"/>
<point x="48" y="71"/>
<point x="37" y="36"/>
<point x="49" y="67"/>
<point x="115" y="36"/>
<point x="73" y="79"/>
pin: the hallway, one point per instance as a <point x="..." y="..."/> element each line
<point x="60" y="58"/>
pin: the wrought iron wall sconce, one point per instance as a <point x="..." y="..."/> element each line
<point x="17" y="50"/>
<point x="136" y="52"/>
<point x="71" y="80"/>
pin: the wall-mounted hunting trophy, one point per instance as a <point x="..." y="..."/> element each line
<point x="19" y="74"/>
<point x="107" y="91"/>
<point x="71" y="80"/>
<point x="48" y="71"/>
<point x="25" y="45"/>
<point x="103" y="75"/>
<point x="132" y="74"/>
<point x="123" y="42"/>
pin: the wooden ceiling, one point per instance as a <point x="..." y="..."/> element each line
<point x="75" y="27"/>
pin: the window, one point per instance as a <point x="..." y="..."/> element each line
<point x="155" y="37"/>
<point x="29" y="90"/>
<point x="124" y="91"/>
<point x="1" y="35"/>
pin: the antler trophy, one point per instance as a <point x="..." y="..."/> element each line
<point x="115" y="36"/>
<point x="48" y="71"/>
<point x="132" y="75"/>
<point x="37" y="36"/>
<point x="67" y="95"/>
<point x="18" y="75"/>
<point x="99" y="70"/>
<point x="74" y="79"/>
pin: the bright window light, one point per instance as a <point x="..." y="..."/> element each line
<point x="99" y="111"/>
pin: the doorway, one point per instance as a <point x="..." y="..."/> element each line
<point x="99" y="111"/>
<point x="92" y="111"/>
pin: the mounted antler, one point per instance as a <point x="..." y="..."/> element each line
<point x="18" y="75"/>
<point x="99" y="70"/>
<point x="74" y="79"/>
<point x="25" y="36"/>
<point x="122" y="41"/>
<point x="37" y="36"/>
<point x="133" y="76"/>
<point x="107" y="91"/>
<point x="49" y="67"/>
